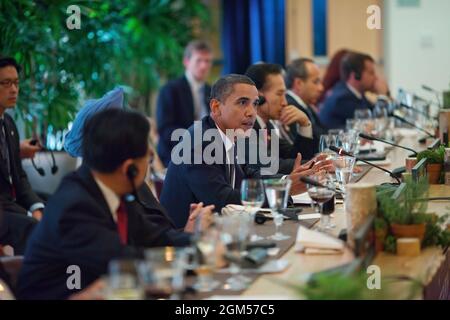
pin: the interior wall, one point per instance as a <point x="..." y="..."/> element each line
<point x="417" y="45"/>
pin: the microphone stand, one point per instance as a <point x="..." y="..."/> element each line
<point x="342" y="152"/>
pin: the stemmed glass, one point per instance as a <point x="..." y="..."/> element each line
<point x="277" y="191"/>
<point x="163" y="270"/>
<point x="321" y="194"/>
<point x="380" y="114"/>
<point x="123" y="281"/>
<point x="234" y="231"/>
<point x="343" y="169"/>
<point x="325" y="142"/>
<point x="206" y="260"/>
<point x="252" y="197"/>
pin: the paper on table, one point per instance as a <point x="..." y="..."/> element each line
<point x="377" y="145"/>
<point x="405" y="132"/>
<point x="302" y="198"/>
<point x="384" y="162"/>
<point x="307" y="216"/>
<point x="236" y="208"/>
<point x="311" y="241"/>
<point x="271" y="266"/>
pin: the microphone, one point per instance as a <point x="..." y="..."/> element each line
<point x="320" y="185"/>
<point x="404" y="105"/>
<point x="437" y="93"/>
<point x="345" y="153"/>
<point x="429" y="89"/>
<point x="367" y="137"/>
<point x="396" y="116"/>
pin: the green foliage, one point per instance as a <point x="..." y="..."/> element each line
<point x="135" y="43"/>
<point x="390" y="244"/>
<point x="433" y="156"/>
<point x="406" y="209"/>
<point x="410" y="208"/>
<point x="436" y="233"/>
<point x="354" y="286"/>
<point x="336" y="286"/>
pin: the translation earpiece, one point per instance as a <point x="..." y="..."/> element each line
<point x="132" y="171"/>
<point x="261" y="100"/>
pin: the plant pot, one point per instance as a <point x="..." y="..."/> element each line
<point x="434" y="172"/>
<point x="408" y="230"/>
<point x="380" y="237"/>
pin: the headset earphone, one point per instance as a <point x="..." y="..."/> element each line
<point x="40" y="170"/>
<point x="357" y="75"/>
<point x="132" y="172"/>
<point x="261" y="100"/>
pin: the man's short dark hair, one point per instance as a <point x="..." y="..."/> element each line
<point x="296" y="69"/>
<point x="260" y="71"/>
<point x="9" y="61"/>
<point x="112" y="136"/>
<point x="223" y="87"/>
<point x="354" y="62"/>
<point x="196" y="45"/>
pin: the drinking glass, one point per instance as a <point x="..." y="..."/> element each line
<point x="325" y="143"/>
<point x="252" y="197"/>
<point x="122" y="280"/>
<point x="277" y="192"/>
<point x="206" y="261"/>
<point x="234" y="231"/>
<point x="362" y="114"/>
<point x="163" y="270"/>
<point x="343" y="169"/>
<point x="321" y="194"/>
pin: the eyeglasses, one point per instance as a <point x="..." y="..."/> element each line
<point x="9" y="83"/>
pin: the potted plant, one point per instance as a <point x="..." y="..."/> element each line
<point x="381" y="231"/>
<point x="435" y="161"/>
<point x="406" y="215"/>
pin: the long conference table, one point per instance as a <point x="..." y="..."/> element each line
<point x="432" y="267"/>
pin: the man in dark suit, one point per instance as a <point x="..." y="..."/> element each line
<point x="184" y="100"/>
<point x="292" y="125"/>
<point x="205" y="167"/>
<point x="357" y="76"/>
<point x="91" y="219"/>
<point x="16" y="196"/>
<point x="304" y="89"/>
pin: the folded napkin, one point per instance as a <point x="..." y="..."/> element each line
<point x="236" y="209"/>
<point x="315" y="242"/>
<point x="302" y="198"/>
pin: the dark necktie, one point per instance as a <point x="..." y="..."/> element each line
<point x="231" y="168"/>
<point x="4" y="148"/>
<point x="122" y="222"/>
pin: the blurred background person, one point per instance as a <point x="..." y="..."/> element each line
<point x="184" y="100"/>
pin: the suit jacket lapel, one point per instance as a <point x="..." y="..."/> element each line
<point x="207" y="93"/>
<point x="89" y="182"/>
<point x="189" y="99"/>
<point x="9" y="141"/>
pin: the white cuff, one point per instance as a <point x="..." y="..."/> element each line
<point x="306" y="132"/>
<point x="37" y="206"/>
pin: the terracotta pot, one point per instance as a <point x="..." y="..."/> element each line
<point x="380" y="236"/>
<point x="408" y="230"/>
<point x="434" y="172"/>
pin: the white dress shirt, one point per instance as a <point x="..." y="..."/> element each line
<point x="197" y="89"/>
<point x="229" y="146"/>
<point x="112" y="199"/>
<point x="303" y="131"/>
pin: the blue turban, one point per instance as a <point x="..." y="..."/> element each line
<point x="74" y="138"/>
